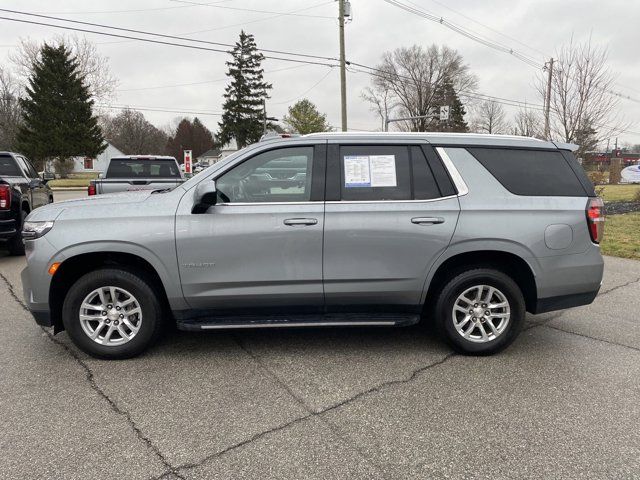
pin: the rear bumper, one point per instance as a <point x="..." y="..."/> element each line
<point x="561" y="302"/>
<point x="7" y="229"/>
<point x="569" y="280"/>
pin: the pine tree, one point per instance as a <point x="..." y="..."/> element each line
<point x="446" y="95"/>
<point x="303" y="117"/>
<point x="58" y="121"/>
<point x="243" y="107"/>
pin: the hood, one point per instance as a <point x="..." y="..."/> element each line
<point x="123" y="199"/>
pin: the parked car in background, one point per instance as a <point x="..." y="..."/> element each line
<point x="21" y="191"/>
<point x="467" y="231"/>
<point x="137" y="172"/>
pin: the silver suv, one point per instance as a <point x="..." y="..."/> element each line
<point x="469" y="231"/>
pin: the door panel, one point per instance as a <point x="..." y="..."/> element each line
<point x="380" y="241"/>
<point x="260" y="247"/>
<point x="376" y="256"/>
<point x="244" y="257"/>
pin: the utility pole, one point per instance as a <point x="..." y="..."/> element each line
<point x="547" y="105"/>
<point x="343" y="68"/>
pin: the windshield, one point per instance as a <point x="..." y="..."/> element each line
<point x="9" y="167"/>
<point x="142" y="168"/>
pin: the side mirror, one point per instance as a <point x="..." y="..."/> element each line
<point x="204" y="197"/>
<point x="46" y="176"/>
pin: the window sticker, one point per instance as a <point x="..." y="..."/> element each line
<point x="357" y="172"/>
<point x="370" y="171"/>
<point x="383" y="170"/>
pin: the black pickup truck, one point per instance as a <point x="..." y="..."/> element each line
<point x="21" y="190"/>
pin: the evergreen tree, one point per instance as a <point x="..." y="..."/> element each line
<point x="445" y="95"/>
<point x="58" y="121"/>
<point x="303" y="117"/>
<point x="243" y="107"/>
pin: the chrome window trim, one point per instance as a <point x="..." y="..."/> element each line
<point x="458" y="181"/>
<point x="335" y="202"/>
<point x="425" y="200"/>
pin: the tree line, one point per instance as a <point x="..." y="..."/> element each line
<point x="51" y="103"/>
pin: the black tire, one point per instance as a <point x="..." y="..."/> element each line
<point x="135" y="283"/>
<point x="444" y="316"/>
<point x="16" y="244"/>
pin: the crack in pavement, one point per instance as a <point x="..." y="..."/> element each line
<point x="312" y="413"/>
<point x="612" y="289"/>
<point x="95" y="387"/>
<point x="609" y="342"/>
<point x="264" y="366"/>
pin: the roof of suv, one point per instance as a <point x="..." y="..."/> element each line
<point x="143" y="157"/>
<point x="439" y="138"/>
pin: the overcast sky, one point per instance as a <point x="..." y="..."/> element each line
<point x="148" y="73"/>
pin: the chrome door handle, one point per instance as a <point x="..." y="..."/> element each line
<point x="427" y="220"/>
<point x="300" y="221"/>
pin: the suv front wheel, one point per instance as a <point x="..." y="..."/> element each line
<point x="112" y="313"/>
<point x="480" y="311"/>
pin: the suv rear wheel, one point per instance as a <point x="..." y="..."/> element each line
<point x="480" y="311"/>
<point x="112" y="313"/>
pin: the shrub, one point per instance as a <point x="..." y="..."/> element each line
<point x="596" y="177"/>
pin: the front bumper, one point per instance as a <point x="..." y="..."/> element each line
<point x="39" y="310"/>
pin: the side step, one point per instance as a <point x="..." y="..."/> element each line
<point x="298" y="321"/>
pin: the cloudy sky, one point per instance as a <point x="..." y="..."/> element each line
<point x="154" y="76"/>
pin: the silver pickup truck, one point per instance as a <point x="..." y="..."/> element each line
<point x="137" y="172"/>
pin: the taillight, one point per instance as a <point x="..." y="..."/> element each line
<point x="5" y="197"/>
<point x="92" y="189"/>
<point x="595" y="219"/>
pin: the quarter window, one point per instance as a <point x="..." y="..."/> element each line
<point x="281" y="175"/>
<point x="530" y="172"/>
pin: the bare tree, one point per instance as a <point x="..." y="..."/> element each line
<point x="132" y="133"/>
<point x="92" y="65"/>
<point x="10" y="112"/>
<point x="489" y="118"/>
<point x="528" y="123"/>
<point x="581" y="97"/>
<point x="381" y="103"/>
<point x="409" y="79"/>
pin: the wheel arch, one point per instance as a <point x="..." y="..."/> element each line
<point x="72" y="268"/>
<point x="508" y="262"/>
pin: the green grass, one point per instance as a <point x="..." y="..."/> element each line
<point x="69" y="182"/>
<point x="622" y="236"/>
<point x="618" y="193"/>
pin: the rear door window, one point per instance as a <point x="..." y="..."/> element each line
<point x="531" y="172"/>
<point x="375" y="172"/>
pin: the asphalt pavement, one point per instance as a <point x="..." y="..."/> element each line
<point x="562" y="402"/>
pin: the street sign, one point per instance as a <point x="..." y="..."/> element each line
<point x="187" y="161"/>
<point x="444" y="113"/>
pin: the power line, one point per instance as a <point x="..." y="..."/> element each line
<point x="135" y="10"/>
<point x="158" y="109"/>
<point x="487" y="42"/>
<point x="158" y="87"/>
<point x="252" y="10"/>
<point x="467" y="33"/>
<point x="306" y="91"/>
<point x="161" y="35"/>
<point x="160" y="42"/>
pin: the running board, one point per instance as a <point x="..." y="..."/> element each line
<point x="301" y="321"/>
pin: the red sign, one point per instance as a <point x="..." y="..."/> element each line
<point x="187" y="161"/>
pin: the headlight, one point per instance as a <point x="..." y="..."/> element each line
<point x="33" y="230"/>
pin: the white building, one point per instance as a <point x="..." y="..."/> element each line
<point x="216" y="154"/>
<point x="91" y="165"/>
